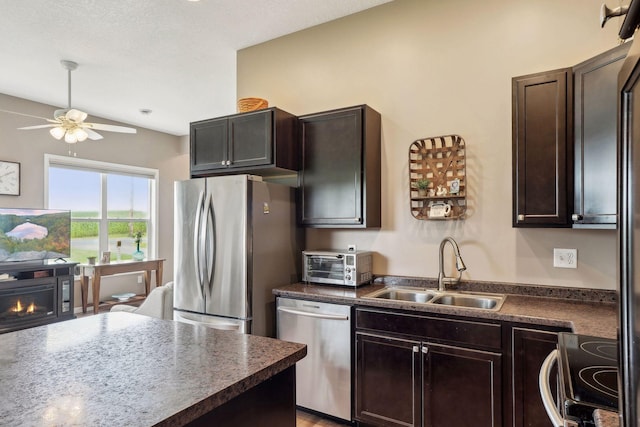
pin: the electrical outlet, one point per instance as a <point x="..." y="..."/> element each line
<point x="565" y="258"/>
<point x="139" y="279"/>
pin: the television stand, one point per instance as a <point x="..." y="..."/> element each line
<point x="33" y="294"/>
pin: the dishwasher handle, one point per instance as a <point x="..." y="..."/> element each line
<point x="312" y="314"/>
<point x="545" y="389"/>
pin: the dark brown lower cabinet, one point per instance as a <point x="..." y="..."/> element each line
<point x="388" y="381"/>
<point x="271" y="403"/>
<point x="417" y="382"/>
<point x="529" y="347"/>
<point x="462" y="387"/>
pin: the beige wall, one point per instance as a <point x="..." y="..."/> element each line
<point x="169" y="154"/>
<point x="433" y="68"/>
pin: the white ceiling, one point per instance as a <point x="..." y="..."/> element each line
<point x="175" y="57"/>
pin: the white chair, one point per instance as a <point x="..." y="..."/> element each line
<point x="158" y="304"/>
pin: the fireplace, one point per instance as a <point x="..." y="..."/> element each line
<point x="35" y="294"/>
<point x="26" y="306"/>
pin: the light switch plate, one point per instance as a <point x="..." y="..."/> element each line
<point x="565" y="258"/>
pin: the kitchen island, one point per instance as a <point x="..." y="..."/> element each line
<point x="133" y="370"/>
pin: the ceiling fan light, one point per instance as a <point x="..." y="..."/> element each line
<point x="70" y="138"/>
<point x="57" y="132"/>
<point x="76" y="116"/>
<point x="81" y="134"/>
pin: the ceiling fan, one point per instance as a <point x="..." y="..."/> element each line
<point x="69" y="122"/>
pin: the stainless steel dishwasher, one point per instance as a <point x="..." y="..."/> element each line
<point x="323" y="377"/>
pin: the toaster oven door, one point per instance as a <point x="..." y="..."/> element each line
<point x="324" y="269"/>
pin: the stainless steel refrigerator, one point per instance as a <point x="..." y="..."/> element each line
<point x="629" y="224"/>
<point x="235" y="240"/>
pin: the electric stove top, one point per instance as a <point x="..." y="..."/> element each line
<point x="589" y="374"/>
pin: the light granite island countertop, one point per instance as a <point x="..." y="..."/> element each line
<point x="133" y="370"/>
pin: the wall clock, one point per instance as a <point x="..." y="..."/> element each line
<point x="9" y="178"/>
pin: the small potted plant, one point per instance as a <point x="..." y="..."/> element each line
<point x="138" y="255"/>
<point x="422" y="185"/>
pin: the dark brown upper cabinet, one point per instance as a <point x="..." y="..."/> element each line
<point x="262" y="142"/>
<point x="564" y="145"/>
<point x="339" y="177"/>
<point x="596" y="114"/>
<point x="543" y="149"/>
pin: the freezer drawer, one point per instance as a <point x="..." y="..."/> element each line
<point x="323" y="377"/>
<point x="214" y="322"/>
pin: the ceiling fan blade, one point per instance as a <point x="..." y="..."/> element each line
<point x="38" y="127"/>
<point x="94" y="136"/>
<point x="23" y="114"/>
<point x="76" y="116"/>
<point x="110" y="128"/>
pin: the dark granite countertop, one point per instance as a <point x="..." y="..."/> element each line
<point x="129" y="370"/>
<point x="579" y="310"/>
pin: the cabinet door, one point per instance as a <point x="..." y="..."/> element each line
<point x="596" y="115"/>
<point x="529" y="349"/>
<point x="387" y="381"/>
<point x="251" y="139"/>
<point x="542" y="149"/>
<point x="462" y="387"/>
<point x="208" y="144"/>
<point x="331" y="168"/>
<point x="340" y="171"/>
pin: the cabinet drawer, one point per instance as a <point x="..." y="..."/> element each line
<point x="470" y="332"/>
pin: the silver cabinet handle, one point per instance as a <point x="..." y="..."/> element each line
<point x="312" y="314"/>
<point x="545" y="390"/>
<point x="520" y="217"/>
<point x="416" y="349"/>
<point x="425" y="349"/>
<point x="577" y="217"/>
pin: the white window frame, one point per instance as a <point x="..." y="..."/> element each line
<point x="52" y="160"/>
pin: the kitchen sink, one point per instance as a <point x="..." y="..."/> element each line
<point x="471" y="301"/>
<point x="492" y="302"/>
<point x="399" y="294"/>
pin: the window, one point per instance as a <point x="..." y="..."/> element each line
<point x="109" y="204"/>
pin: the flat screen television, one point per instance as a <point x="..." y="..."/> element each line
<point x="34" y="234"/>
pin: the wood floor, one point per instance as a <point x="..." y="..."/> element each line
<point x="305" y="419"/>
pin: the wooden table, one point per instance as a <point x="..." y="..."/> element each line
<point x="98" y="270"/>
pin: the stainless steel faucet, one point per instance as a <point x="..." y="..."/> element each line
<point x="442" y="279"/>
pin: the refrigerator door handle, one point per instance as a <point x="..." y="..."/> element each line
<point x="209" y="241"/>
<point x="197" y="245"/>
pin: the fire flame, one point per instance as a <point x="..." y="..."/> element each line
<point x="19" y="308"/>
